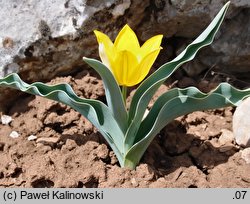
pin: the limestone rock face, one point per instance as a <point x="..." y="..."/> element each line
<point x="231" y="51"/>
<point x="183" y="20"/>
<point x="42" y="39"/>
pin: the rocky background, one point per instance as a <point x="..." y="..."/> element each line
<point x="44" y="39"/>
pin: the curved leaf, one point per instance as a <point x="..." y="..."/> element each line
<point x="146" y="90"/>
<point x="112" y="92"/>
<point x="179" y="102"/>
<point x="95" y="111"/>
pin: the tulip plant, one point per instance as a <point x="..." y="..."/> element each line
<point x="125" y="63"/>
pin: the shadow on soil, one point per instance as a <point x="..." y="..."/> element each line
<point x="173" y="148"/>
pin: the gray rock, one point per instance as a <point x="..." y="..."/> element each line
<point x="183" y="20"/>
<point x="44" y="39"/>
<point x="241" y="121"/>
<point x="230" y="54"/>
<point x="41" y="39"/>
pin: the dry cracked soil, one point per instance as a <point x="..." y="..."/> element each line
<point x="195" y="150"/>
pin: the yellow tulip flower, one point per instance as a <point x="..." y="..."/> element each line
<point x="128" y="62"/>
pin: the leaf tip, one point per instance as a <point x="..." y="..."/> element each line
<point x="227" y="4"/>
<point x="85" y="59"/>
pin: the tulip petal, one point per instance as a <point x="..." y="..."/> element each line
<point x="106" y="48"/>
<point x="142" y="70"/>
<point x="129" y="62"/>
<point x="127" y="40"/>
<point x="122" y="66"/>
<point x="150" y="45"/>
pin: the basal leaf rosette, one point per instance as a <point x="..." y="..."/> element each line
<point x="126" y="63"/>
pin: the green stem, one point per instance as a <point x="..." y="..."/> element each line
<point x="124" y="94"/>
<point x="129" y="164"/>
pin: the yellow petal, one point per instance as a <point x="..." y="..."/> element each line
<point x="143" y="68"/>
<point x="106" y="48"/>
<point x="150" y="45"/>
<point x="129" y="62"/>
<point x="127" y="40"/>
<point x="123" y="65"/>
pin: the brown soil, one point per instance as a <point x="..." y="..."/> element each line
<point x="196" y="150"/>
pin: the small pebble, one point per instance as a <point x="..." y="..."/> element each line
<point x="50" y="141"/>
<point x="5" y="119"/>
<point x="32" y="137"/>
<point x="14" y="134"/>
<point x="134" y="182"/>
<point x="226" y="148"/>
<point x="226" y="140"/>
<point x="245" y="154"/>
<point x="226" y="137"/>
